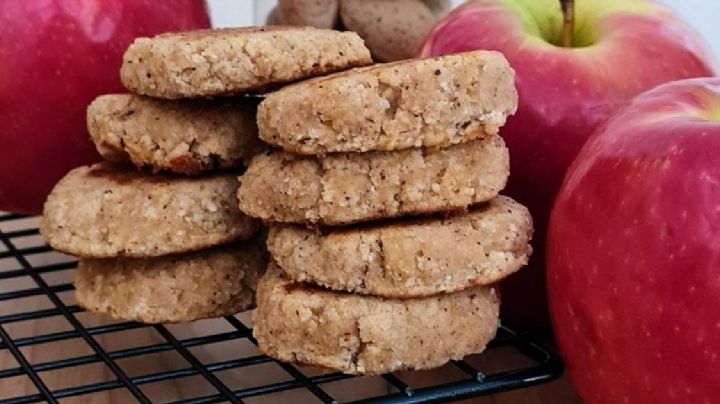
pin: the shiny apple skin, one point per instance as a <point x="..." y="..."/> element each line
<point x="57" y="55"/>
<point x="565" y="94"/>
<point x="634" y="253"/>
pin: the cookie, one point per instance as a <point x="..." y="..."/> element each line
<point x="314" y="13"/>
<point x="172" y="288"/>
<point x="187" y="136"/>
<point x="103" y="211"/>
<point x="429" y="102"/>
<point x="273" y="17"/>
<point x="353" y="187"/>
<point x="438" y="7"/>
<point x="409" y="257"/>
<point x="227" y="61"/>
<point x="393" y="30"/>
<point x="299" y="322"/>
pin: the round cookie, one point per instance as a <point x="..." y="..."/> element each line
<point x="103" y="211"/>
<point x="227" y="61"/>
<point x="354" y="187"/>
<point x="428" y="102"/>
<point x="393" y="30"/>
<point x="273" y="17"/>
<point x="299" y="322"/>
<point x="438" y="7"/>
<point x="172" y="288"/>
<point x="186" y="136"/>
<point x="314" y="13"/>
<point x="409" y="257"/>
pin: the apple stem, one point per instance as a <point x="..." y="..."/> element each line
<point x="568" y="10"/>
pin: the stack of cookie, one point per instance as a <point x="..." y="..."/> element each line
<point x="359" y="282"/>
<point x="164" y="241"/>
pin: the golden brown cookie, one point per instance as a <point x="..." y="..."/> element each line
<point x="392" y="29"/>
<point x="355" y="334"/>
<point x="409" y="257"/>
<point x="184" y="136"/>
<point x="429" y="102"/>
<point x="313" y="13"/>
<point x="354" y="187"/>
<point x="172" y="288"/>
<point x="104" y="211"/>
<point x="226" y="61"/>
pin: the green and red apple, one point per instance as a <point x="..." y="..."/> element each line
<point x="634" y="252"/>
<point x="618" y="49"/>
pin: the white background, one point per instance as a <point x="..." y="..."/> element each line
<point x="704" y="15"/>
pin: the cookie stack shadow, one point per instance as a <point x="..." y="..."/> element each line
<point x="157" y="226"/>
<point x="387" y="233"/>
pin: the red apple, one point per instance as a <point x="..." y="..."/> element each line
<point x="634" y="252"/>
<point x="620" y="48"/>
<point x="57" y="55"/>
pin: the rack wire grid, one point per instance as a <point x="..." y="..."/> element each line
<point x="52" y="351"/>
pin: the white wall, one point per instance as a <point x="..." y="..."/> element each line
<point x="704" y="15"/>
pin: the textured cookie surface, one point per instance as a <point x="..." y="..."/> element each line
<point x="429" y="102"/>
<point x="313" y="13"/>
<point x="188" y="136"/>
<point x="298" y="322"/>
<point x="172" y="288"/>
<point x="393" y="30"/>
<point x="236" y="60"/>
<point x="102" y="211"/>
<point x="410" y="257"/>
<point x="353" y="187"/>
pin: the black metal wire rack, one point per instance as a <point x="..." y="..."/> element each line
<point x="70" y="355"/>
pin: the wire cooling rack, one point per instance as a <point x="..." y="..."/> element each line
<point x="52" y="351"/>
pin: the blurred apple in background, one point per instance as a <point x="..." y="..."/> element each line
<point x="619" y="48"/>
<point x="57" y="55"/>
<point x="634" y="252"/>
